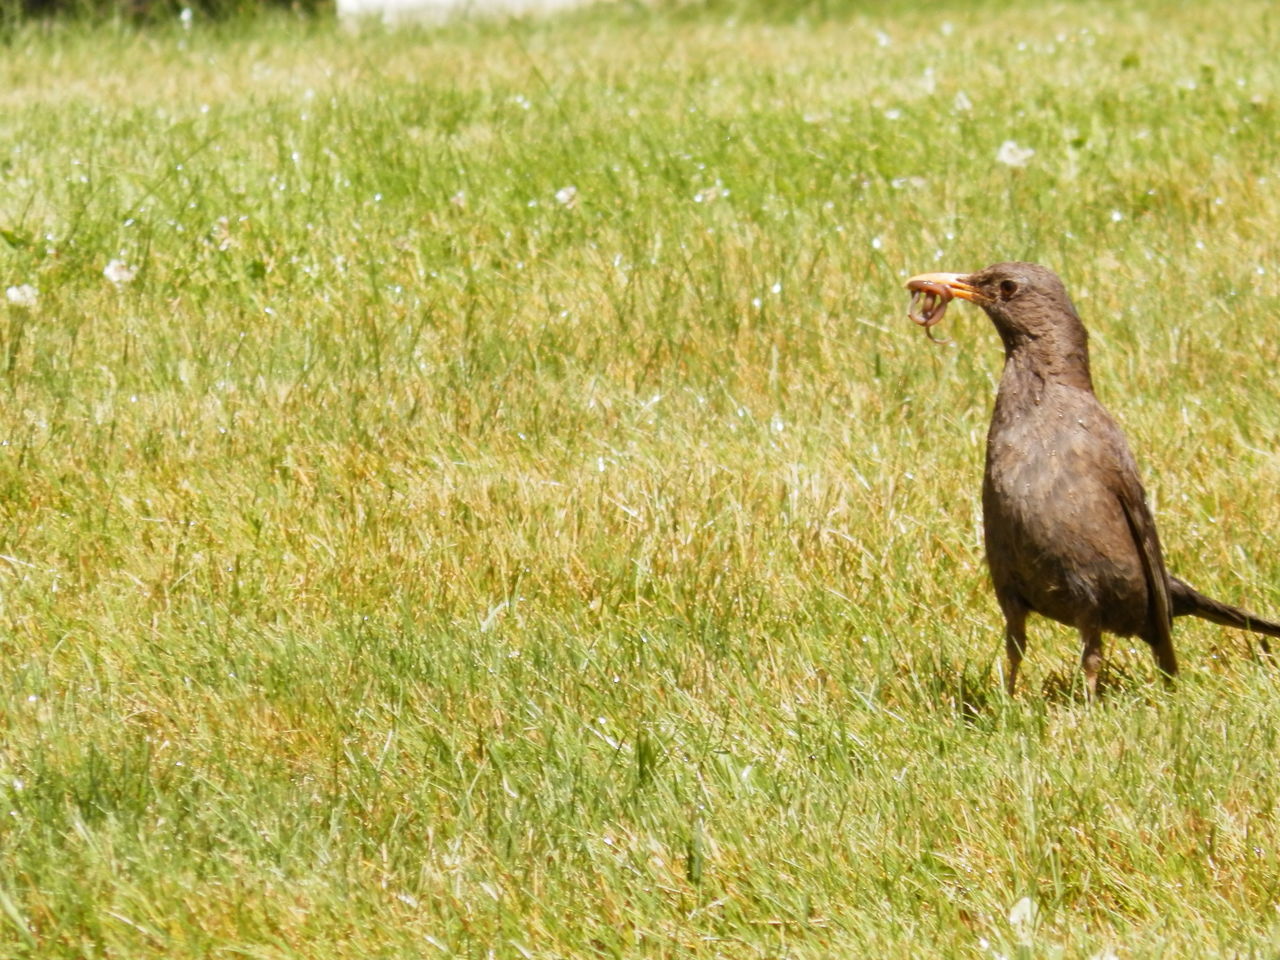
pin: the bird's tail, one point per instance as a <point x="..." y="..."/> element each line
<point x="1186" y="600"/>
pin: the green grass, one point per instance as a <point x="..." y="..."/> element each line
<point x="405" y="563"/>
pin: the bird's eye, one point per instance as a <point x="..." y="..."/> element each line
<point x="1008" y="288"/>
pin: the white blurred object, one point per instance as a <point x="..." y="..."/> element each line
<point x="434" y="11"/>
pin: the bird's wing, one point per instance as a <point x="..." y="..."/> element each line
<point x="1143" y="528"/>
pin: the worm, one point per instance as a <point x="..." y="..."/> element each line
<point x="928" y="304"/>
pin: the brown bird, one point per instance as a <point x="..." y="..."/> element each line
<point x="1068" y="531"/>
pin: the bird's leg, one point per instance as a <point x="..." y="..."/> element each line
<point x="1091" y="658"/>
<point x="1015" y="641"/>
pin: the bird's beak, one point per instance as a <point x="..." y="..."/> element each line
<point x="955" y="284"/>
<point x="931" y="292"/>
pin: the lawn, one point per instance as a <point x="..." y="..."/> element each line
<point x="474" y="491"/>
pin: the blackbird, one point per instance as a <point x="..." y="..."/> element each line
<point x="1068" y="531"/>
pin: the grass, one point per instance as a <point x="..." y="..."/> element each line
<point x="409" y="562"/>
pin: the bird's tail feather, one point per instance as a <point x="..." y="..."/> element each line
<point x="1186" y="600"/>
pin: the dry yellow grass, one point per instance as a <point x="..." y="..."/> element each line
<point x="418" y="557"/>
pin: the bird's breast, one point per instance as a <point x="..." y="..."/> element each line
<point x="1052" y="519"/>
<point x="1039" y="466"/>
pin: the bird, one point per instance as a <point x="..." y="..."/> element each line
<point x="1067" y="528"/>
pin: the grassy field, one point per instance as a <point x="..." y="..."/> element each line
<point x="475" y="492"/>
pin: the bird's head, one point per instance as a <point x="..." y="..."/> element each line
<point x="1025" y="301"/>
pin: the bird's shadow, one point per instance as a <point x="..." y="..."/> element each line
<point x="968" y="691"/>
<point x="1066" y="686"/>
<point x="976" y="694"/>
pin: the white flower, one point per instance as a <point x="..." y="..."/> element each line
<point x="708" y="194"/>
<point x="962" y="103"/>
<point x="1012" y="155"/>
<point x="23" y="296"/>
<point x="220" y="235"/>
<point x="459" y="199"/>
<point x="1022" y="918"/>
<point x="119" y="272"/>
<point x="567" y="196"/>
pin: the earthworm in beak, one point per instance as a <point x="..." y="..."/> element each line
<point x="930" y="294"/>
<point x="928" y="304"/>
